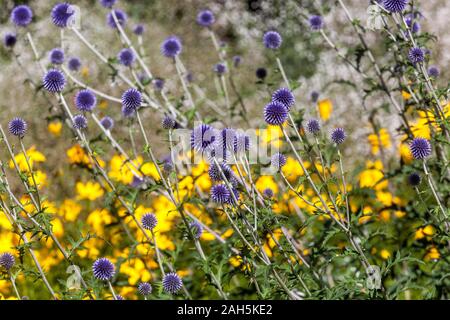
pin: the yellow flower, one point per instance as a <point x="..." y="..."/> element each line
<point x="149" y="169"/>
<point x="405" y="153"/>
<point x="371" y="178"/>
<point x="264" y="182"/>
<point x="89" y="190"/>
<point x="406" y="95"/>
<point x="325" y="109"/>
<point x="85" y="72"/>
<point x="77" y="155"/>
<point x="98" y="219"/>
<point x="382" y="138"/>
<point x="69" y="210"/>
<point x="385" y="254"/>
<point x="40" y="178"/>
<point x="122" y="170"/>
<point x="432" y="254"/>
<point x="33" y="156"/>
<point x="55" y="128"/>
<point x="103" y="104"/>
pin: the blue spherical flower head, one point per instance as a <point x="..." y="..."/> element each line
<point x="172" y="283"/>
<point x="233" y="196"/>
<point x="338" y="135"/>
<point x="220" y="194"/>
<point x="268" y="193"/>
<point x="103" y="269"/>
<point x="145" y="288"/>
<point x="158" y="84"/>
<point x="226" y="138"/>
<point x="261" y="73"/>
<point x="137" y="182"/>
<point x="85" y="100"/>
<point x="420" y="148"/>
<point x="62" y="14"/>
<point x="416" y="55"/>
<point x="285" y="97"/>
<point x="74" y="64"/>
<point x="121" y="18"/>
<point x="126" y="57"/>
<point x="202" y="137"/>
<point x="241" y="143"/>
<point x="79" y="122"/>
<point x="413" y="25"/>
<point x="107" y="123"/>
<point x="272" y="40"/>
<point x="171" y="47"/>
<point x="278" y="161"/>
<point x="107" y="3"/>
<point x="395" y="5"/>
<point x="131" y="101"/>
<point x="316" y="22"/>
<point x="7" y="261"/>
<point x="56" y="56"/>
<point x="434" y="71"/>
<point x="21" y="15"/>
<point x="149" y="221"/>
<point x="17" y="127"/>
<point x="206" y="18"/>
<point x="168" y="123"/>
<point x="139" y="30"/>
<point x="237" y="61"/>
<point x="54" y="81"/>
<point x="313" y="126"/>
<point x="196" y="229"/>
<point x="215" y="172"/>
<point x="275" y="113"/>
<point x="414" y="179"/>
<point x="220" y="68"/>
<point x="10" y="40"/>
<point x="314" y="96"/>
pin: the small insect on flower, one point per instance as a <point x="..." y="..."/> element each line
<point x="7" y="261"/>
<point x="241" y="143"/>
<point x="54" y="81"/>
<point x="261" y="73"/>
<point x="139" y="30"/>
<point x="206" y="18"/>
<point x="74" y="64"/>
<point x="395" y="5"/>
<point x="338" y="135"/>
<point x="172" y="283"/>
<point x="196" y="229"/>
<point x="434" y="71"/>
<point x="10" y="40"/>
<point x="278" y="160"/>
<point x="275" y="113"/>
<point x="85" y="100"/>
<point x="420" y="148"/>
<point x="220" y="68"/>
<point x="149" y="221"/>
<point x="313" y="126"/>
<point x="17" y="127"/>
<point x="316" y="22"/>
<point x="145" y="288"/>
<point x="108" y="3"/>
<point x="414" y="179"/>
<point x="171" y="47"/>
<point x="62" y="14"/>
<point x="107" y="123"/>
<point x="120" y="16"/>
<point x="56" y="56"/>
<point x="202" y="137"/>
<point x="79" y="122"/>
<point x="220" y="194"/>
<point x="285" y="97"/>
<point x="416" y="55"/>
<point x="168" y="122"/>
<point x="131" y="101"/>
<point x="126" y="57"/>
<point x="272" y="40"/>
<point x="103" y="269"/>
<point x="268" y="193"/>
<point x="21" y="15"/>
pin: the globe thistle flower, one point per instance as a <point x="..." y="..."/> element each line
<point x="190" y="77"/>
<point x="121" y="18"/>
<point x="220" y="68"/>
<point x="119" y="297"/>
<point x="316" y="22"/>
<point x="168" y="166"/>
<point x="215" y="172"/>
<point x="234" y="197"/>
<point x="131" y="101"/>
<point x="206" y="18"/>
<point x="85" y="100"/>
<point x="416" y="55"/>
<point x="196" y="229"/>
<point x="313" y="126"/>
<point x="107" y="3"/>
<point x="74" y="64"/>
<point x="413" y="25"/>
<point x="103" y="269"/>
<point x="21" y="15"/>
<point x="241" y="143"/>
<point x="56" y="56"/>
<point x="420" y="148"/>
<point x="168" y="123"/>
<point x="414" y="179"/>
<point x="126" y="57"/>
<point x="268" y="193"/>
<point x="237" y="61"/>
<point x="338" y="135"/>
<point x="278" y="160"/>
<point x="17" y="127"/>
<point x="226" y="138"/>
<point x="172" y="283"/>
<point x="107" y="123"/>
<point x="395" y="5"/>
<point x="139" y="30"/>
<point x="202" y="137"/>
<point x="158" y="84"/>
<point x="275" y="113"/>
<point x="136" y="182"/>
<point x="261" y="73"/>
<point x="434" y="71"/>
<point x="171" y="47"/>
<point x="79" y="122"/>
<point x="285" y="97"/>
<point x="149" y="221"/>
<point x="145" y="288"/>
<point x="220" y="194"/>
<point x="10" y="40"/>
<point x="272" y="40"/>
<point x="54" y="81"/>
<point x="314" y="96"/>
<point x="61" y="14"/>
<point x="7" y="261"/>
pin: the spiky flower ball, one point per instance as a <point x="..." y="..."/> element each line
<point x="79" y="122"/>
<point x="56" y="56"/>
<point x="61" y="14"/>
<point x="206" y="18"/>
<point x="74" y="64"/>
<point x="196" y="229"/>
<point x="7" y="261"/>
<point x="261" y="73"/>
<point x="268" y="193"/>
<point x="215" y="172"/>
<point x="17" y="127"/>
<point x="10" y="40"/>
<point x="131" y="101"/>
<point x="149" y="221"/>
<point x="420" y="148"/>
<point x="107" y="122"/>
<point x="103" y="269"/>
<point x="168" y="123"/>
<point x="241" y="143"/>
<point x="412" y="24"/>
<point x="121" y="18"/>
<point x="434" y="71"/>
<point x="172" y="283"/>
<point x="139" y="30"/>
<point x="338" y="135"/>
<point x="126" y="57"/>
<point x="416" y="55"/>
<point x="313" y="126"/>
<point x="107" y="3"/>
<point x="220" y="194"/>
<point x="21" y="15"/>
<point x="314" y="96"/>
<point x="272" y="40"/>
<point x="85" y="100"/>
<point x="220" y="68"/>
<point x="414" y="179"/>
<point x="226" y="138"/>
<point x="395" y="5"/>
<point x="285" y="97"/>
<point x="316" y="22"/>
<point x="278" y="160"/>
<point x="275" y="113"/>
<point x="237" y="61"/>
<point x="171" y="47"/>
<point x="145" y="288"/>
<point x="54" y="81"/>
<point x="158" y="84"/>
<point x="202" y="137"/>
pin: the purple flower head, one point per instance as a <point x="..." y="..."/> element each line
<point x="168" y="165"/>
<point x="158" y="84"/>
<point x="196" y="229"/>
<point x="395" y="5"/>
<point x="7" y="261"/>
<point x="202" y="137"/>
<point x="121" y="18"/>
<point x="268" y="193"/>
<point x="21" y="15"/>
<point x="172" y="283"/>
<point x="414" y="179"/>
<point x="85" y="100"/>
<point x="107" y="123"/>
<point x="272" y="40"/>
<point x="285" y="97"/>
<point x="54" y="81"/>
<point x="74" y="64"/>
<point x="338" y="135"/>
<point x="416" y="55"/>
<point x="171" y="47"/>
<point x="261" y="73"/>
<point x="119" y="297"/>
<point x="414" y="26"/>
<point x="190" y="77"/>
<point x="107" y="3"/>
<point x="316" y="22"/>
<point x="10" y="40"/>
<point x="314" y="96"/>
<point x="237" y="61"/>
<point x="56" y="56"/>
<point x="226" y="138"/>
<point x="275" y="113"/>
<point x="149" y="221"/>
<point x="103" y="269"/>
<point x="241" y="143"/>
<point x="220" y="194"/>
<point x="139" y="30"/>
<point x="206" y="18"/>
<point x="215" y="172"/>
<point x="168" y="122"/>
<point x="278" y="160"/>
<point x="131" y="101"/>
<point x="136" y="182"/>
<point x="233" y="196"/>
<point x="79" y="122"/>
<point x="220" y="68"/>
<point x="62" y="14"/>
<point x="17" y="127"/>
<point x="433" y="71"/>
<point x="126" y="57"/>
<point x="145" y="288"/>
<point x="313" y="126"/>
<point x="420" y="148"/>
